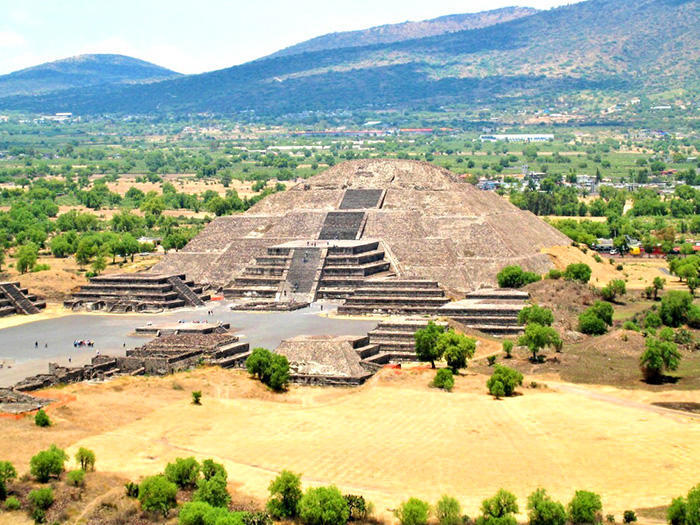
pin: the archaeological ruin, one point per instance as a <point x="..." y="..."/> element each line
<point x="17" y="300"/>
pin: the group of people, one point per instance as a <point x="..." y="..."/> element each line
<point x="83" y="342"/>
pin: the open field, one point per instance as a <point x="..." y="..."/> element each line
<point x="391" y="439"/>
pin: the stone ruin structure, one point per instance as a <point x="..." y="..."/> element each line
<point x="363" y="221"/>
<point x="13" y="402"/>
<point x="165" y="354"/>
<point x="17" y="300"/>
<point x="139" y="292"/>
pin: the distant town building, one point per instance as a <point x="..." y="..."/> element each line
<point x="517" y="138"/>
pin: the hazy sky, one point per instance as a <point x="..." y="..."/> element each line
<point x="192" y="36"/>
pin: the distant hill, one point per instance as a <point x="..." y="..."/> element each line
<point x="389" y="33"/>
<point x="595" y="46"/>
<point x="79" y="72"/>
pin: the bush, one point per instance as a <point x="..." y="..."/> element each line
<point x="131" y="489"/>
<point x="515" y="277"/>
<point x="652" y="320"/>
<point x="630" y="325"/>
<point x="683" y="337"/>
<point x="491" y="360"/>
<point x="536" y="314"/>
<point x="537" y="337"/>
<point x="455" y="349"/>
<point x="629" y="516"/>
<point x="7" y="473"/>
<point x="41" y="419"/>
<point x="211" y="469"/>
<point x="285" y="493"/>
<point x="41" y="498"/>
<point x="76" y="478"/>
<point x="503" y="381"/>
<point x="213" y="491"/>
<point x="675" y="306"/>
<point x="258" y="362"/>
<point x="603" y="310"/>
<point x="86" y="458"/>
<point x="675" y="514"/>
<point x="184" y="472"/>
<point x="448" y="511"/>
<point x="499" y="509"/>
<point x="271" y="369"/>
<point x="200" y="513"/>
<point x="554" y="274"/>
<point x="580" y="272"/>
<point x="257" y="518"/>
<point x="357" y="506"/>
<point x="413" y="512"/>
<point x="543" y="510"/>
<point x="585" y="507"/>
<point x="12" y="503"/>
<point x="323" y="506"/>
<point x="157" y="494"/>
<point x="426" y="342"/>
<point x="197" y="397"/>
<point x="657" y="357"/>
<point x="48" y="463"/>
<point x="591" y="324"/>
<point x="610" y="518"/>
<point x="444" y="379"/>
<point x="613" y="289"/>
<point x="39" y="515"/>
<point x="508" y="348"/>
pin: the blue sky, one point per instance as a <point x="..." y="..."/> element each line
<point x="197" y="36"/>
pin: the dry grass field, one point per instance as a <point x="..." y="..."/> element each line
<point x="393" y="438"/>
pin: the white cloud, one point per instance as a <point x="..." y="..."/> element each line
<point x="11" y="39"/>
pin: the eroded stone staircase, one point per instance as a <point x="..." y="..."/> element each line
<point x="17" y="300"/>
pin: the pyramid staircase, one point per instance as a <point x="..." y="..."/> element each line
<point x="394" y="297"/>
<point x="395" y="340"/>
<point x="347" y="267"/>
<point x="493" y="312"/>
<point x="17" y="300"/>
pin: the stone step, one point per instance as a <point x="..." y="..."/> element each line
<point x="487" y="320"/>
<point x="351" y="259"/>
<point x="360" y="269"/>
<point x="265" y="270"/>
<point x="236" y="348"/>
<point x="384" y="309"/>
<point x="392" y="300"/>
<point x="250" y="291"/>
<point x="497" y="329"/>
<point x="400" y="292"/>
<point x="367" y="350"/>
<point x="236" y="361"/>
<point x="356" y="248"/>
<point x="401" y="283"/>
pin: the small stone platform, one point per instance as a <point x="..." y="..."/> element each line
<point x="182" y="328"/>
<point x="12" y="402"/>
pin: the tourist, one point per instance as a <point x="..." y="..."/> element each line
<point x="36" y="344"/>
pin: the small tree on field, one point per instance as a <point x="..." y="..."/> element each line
<point x="323" y="506"/>
<point x="26" y="257"/>
<point x="213" y="491"/>
<point x="258" y="362"/>
<point x="413" y="512"/>
<point x="41" y="419"/>
<point x="508" y="348"/>
<point x="211" y="469"/>
<point x="48" y="463"/>
<point x="448" y="511"/>
<point x="455" y="349"/>
<point x="278" y="373"/>
<point x="498" y="510"/>
<point x="197" y="397"/>
<point x="157" y="494"/>
<point x="580" y="272"/>
<point x="41" y="498"/>
<point x="515" y="277"/>
<point x="658" y="285"/>
<point x="76" y="478"/>
<point x="184" y="472"/>
<point x="629" y="516"/>
<point x="285" y="493"/>
<point x="444" y="379"/>
<point x="503" y="381"/>
<point x="538" y="337"/>
<point x="614" y="289"/>
<point x="543" y="510"/>
<point x="658" y="356"/>
<point x="536" y="314"/>
<point x="426" y="343"/>
<point x="585" y="507"/>
<point x="685" y="511"/>
<point x="86" y="458"/>
<point x="7" y="474"/>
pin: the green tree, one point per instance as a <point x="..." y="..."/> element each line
<point x="508" y="348"/>
<point x="184" y="472"/>
<point x="538" y="337"/>
<point x="258" y="362"/>
<point x="614" y="289"/>
<point x="41" y="419"/>
<point x="413" y="512"/>
<point x="658" y="285"/>
<point x="543" y="510"/>
<point x="580" y="272"/>
<point x="498" y="510"/>
<point x="515" y="277"/>
<point x="48" y="463"/>
<point x="323" y="506"/>
<point x="444" y="379"/>
<point x="213" y="491"/>
<point x="76" y="478"/>
<point x="26" y="257"/>
<point x="86" y="458"/>
<point x="42" y="498"/>
<point x="448" y="511"/>
<point x="99" y="264"/>
<point x="277" y="377"/>
<point x="157" y="494"/>
<point x="503" y="381"/>
<point x="657" y="357"/>
<point x="675" y="306"/>
<point x="585" y="507"/>
<point x="675" y="515"/>
<point x="285" y="493"/>
<point x="426" y="342"/>
<point x="455" y="349"/>
<point x="210" y="469"/>
<point x="7" y="474"/>
<point x="536" y="314"/>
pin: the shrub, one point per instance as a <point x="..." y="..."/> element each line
<point x="580" y="272"/>
<point x="455" y="349"/>
<point x="426" y="342"/>
<point x="213" y="491"/>
<point x="652" y="320"/>
<point x="278" y="373"/>
<point x="211" y="469"/>
<point x="554" y="274"/>
<point x="543" y="510"/>
<point x="76" y="478"/>
<point x="197" y="397"/>
<point x="536" y="314"/>
<point x="503" y="381"/>
<point x="491" y="360"/>
<point x="538" y="337"/>
<point x="585" y="507"/>
<point x="666" y="334"/>
<point x="508" y="348"/>
<point x="257" y="518"/>
<point x="603" y="310"/>
<point x="12" y="503"/>
<point x="48" y="463"/>
<point x="131" y="489"/>
<point x="613" y="289"/>
<point x="597" y="258"/>
<point x="610" y="518"/>
<point x="683" y="337"/>
<point x="675" y="306"/>
<point x="629" y="516"/>
<point x="515" y="277"/>
<point x="184" y="472"/>
<point x="675" y="514"/>
<point x="258" y="362"/>
<point x="444" y="379"/>
<point x="285" y="493"/>
<point x="39" y="515"/>
<point x="157" y="494"/>
<point x="448" y="511"/>
<point x="657" y="357"/>
<point x="591" y="324"/>
<point x="357" y="506"/>
<point x="41" y="419"/>
<point x="630" y="325"/>
<point x="200" y="513"/>
<point x="86" y="458"/>
<point x="499" y="509"/>
<point x="323" y="506"/>
<point x="41" y="498"/>
<point x="413" y="512"/>
<point x="7" y="473"/>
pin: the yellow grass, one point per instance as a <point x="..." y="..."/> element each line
<point x="391" y="439"/>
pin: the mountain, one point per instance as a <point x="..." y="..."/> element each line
<point x="387" y="34"/>
<point x="79" y="72"/>
<point x="596" y="46"/>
